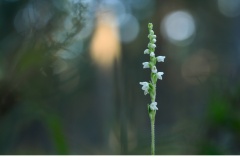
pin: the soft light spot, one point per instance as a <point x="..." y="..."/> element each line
<point x="178" y="27"/>
<point x="229" y="8"/>
<point x="105" y="46"/>
<point x="34" y="16"/>
<point x="129" y="29"/>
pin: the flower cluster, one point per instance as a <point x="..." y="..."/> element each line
<point x="150" y="87"/>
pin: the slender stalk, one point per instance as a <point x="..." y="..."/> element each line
<point x="153" y="136"/>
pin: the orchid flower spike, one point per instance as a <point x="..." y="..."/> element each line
<point x="150" y="87"/>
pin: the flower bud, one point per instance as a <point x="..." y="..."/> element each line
<point x="150" y="25"/>
<point x="154" y="69"/>
<point x="152" y="54"/>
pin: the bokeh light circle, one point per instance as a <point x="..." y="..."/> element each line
<point x="177" y="27"/>
<point x="229" y="8"/>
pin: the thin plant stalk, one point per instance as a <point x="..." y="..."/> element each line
<point x="150" y="87"/>
<point x="153" y="136"/>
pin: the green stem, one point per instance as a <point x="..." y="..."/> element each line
<point x="153" y="135"/>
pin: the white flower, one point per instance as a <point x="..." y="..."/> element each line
<point x="160" y="58"/>
<point x="145" y="87"/>
<point x="159" y="75"/>
<point x="152" y="54"/>
<point x="153" y="46"/>
<point x="154" y="40"/>
<point x="146" y="51"/>
<point x="151" y="32"/>
<point x="154" y="69"/>
<point x="150" y="45"/>
<point x="145" y="64"/>
<point x="153" y="106"/>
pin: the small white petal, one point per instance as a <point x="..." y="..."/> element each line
<point x="143" y="83"/>
<point x="154" y="36"/>
<point x="145" y="87"/>
<point x="146" y="51"/>
<point x="153" y="46"/>
<point x="153" y="106"/>
<point x="145" y="92"/>
<point x="160" y="58"/>
<point x="154" y="69"/>
<point x="152" y="54"/>
<point x="151" y="32"/>
<point x="145" y="64"/>
<point x="159" y="75"/>
<point x="154" y="40"/>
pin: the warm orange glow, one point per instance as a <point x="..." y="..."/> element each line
<point x="105" y="46"/>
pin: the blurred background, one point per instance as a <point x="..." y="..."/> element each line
<point x="70" y="73"/>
